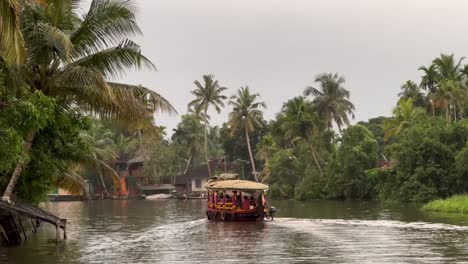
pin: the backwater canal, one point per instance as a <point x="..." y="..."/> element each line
<point x="174" y="231"/>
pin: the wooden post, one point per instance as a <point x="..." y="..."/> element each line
<point x="33" y="225"/>
<point x="65" y="229"/>
<point x="22" y="227"/>
<point x="4" y="234"/>
<point x="57" y="236"/>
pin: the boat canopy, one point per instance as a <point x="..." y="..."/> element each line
<point x="241" y="185"/>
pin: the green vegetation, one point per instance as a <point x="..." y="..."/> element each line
<point x="454" y="204"/>
<point x="55" y="68"/>
<point x="62" y="121"/>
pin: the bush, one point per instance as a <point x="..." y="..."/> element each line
<point x="454" y="204"/>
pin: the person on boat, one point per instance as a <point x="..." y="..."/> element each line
<point x="252" y="202"/>
<point x="233" y="198"/>
<point x="239" y="201"/>
<point x="245" y="203"/>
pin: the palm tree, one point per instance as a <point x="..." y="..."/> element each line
<point x="429" y="79"/>
<point x="331" y="100"/>
<point x="298" y="120"/>
<point x="72" y="59"/>
<point x="447" y="68"/>
<point x="209" y="94"/>
<point x="189" y="133"/>
<point x="103" y="151"/>
<point x="246" y="114"/>
<point x="450" y="97"/>
<point x="411" y="90"/>
<point x="11" y="41"/>
<point x="403" y="115"/>
<point x="265" y="151"/>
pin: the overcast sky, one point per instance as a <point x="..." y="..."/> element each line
<point x="277" y="47"/>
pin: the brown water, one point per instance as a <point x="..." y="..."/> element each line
<point x="172" y="231"/>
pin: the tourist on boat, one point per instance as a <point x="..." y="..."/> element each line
<point x="246" y="203"/>
<point x="239" y="201"/>
<point x="252" y="202"/>
<point x="233" y="198"/>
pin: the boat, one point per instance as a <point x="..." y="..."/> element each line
<point x="238" y="201"/>
<point x="158" y="196"/>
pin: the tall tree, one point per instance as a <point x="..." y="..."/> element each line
<point x="11" y="41"/>
<point x="403" y="115"/>
<point x="206" y="95"/>
<point x="246" y="114"/>
<point x="72" y="59"/>
<point x="411" y="90"/>
<point x="331" y="100"/>
<point x="189" y="135"/>
<point x="298" y="120"/>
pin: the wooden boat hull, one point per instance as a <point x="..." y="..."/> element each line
<point x="235" y="216"/>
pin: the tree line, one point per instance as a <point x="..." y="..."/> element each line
<point x="63" y="120"/>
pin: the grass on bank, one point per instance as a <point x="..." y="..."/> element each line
<point x="454" y="204"/>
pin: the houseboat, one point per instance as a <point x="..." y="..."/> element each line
<point x="237" y="200"/>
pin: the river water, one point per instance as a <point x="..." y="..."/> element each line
<point x="173" y="231"/>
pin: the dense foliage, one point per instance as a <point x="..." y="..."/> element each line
<point x="63" y="121"/>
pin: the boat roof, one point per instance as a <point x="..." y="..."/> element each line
<point x="235" y="185"/>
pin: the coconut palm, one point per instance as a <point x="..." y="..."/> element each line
<point x="331" y="100"/>
<point x="206" y="95"/>
<point x="11" y="41"/>
<point x="403" y="115"/>
<point x="450" y="97"/>
<point x="103" y="152"/>
<point x="247" y="115"/>
<point x="72" y="59"/>
<point x="190" y="133"/>
<point x="430" y="77"/>
<point x="298" y="120"/>
<point x="447" y="68"/>
<point x="265" y="151"/>
<point x="411" y="90"/>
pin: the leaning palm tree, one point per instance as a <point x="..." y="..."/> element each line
<point x="331" y="100"/>
<point x="72" y="59"/>
<point x="246" y="114"/>
<point x="411" y="90"/>
<point x="209" y="94"/>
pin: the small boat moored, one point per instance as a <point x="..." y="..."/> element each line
<point x="237" y="200"/>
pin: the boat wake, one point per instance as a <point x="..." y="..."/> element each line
<point x="298" y="222"/>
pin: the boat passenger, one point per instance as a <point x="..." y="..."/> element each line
<point x="233" y="198"/>
<point x="239" y="201"/>
<point x="246" y="203"/>
<point x="252" y="202"/>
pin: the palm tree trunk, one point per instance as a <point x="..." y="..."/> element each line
<point x="433" y="108"/>
<point x="254" y="171"/>
<point x="314" y="156"/>
<point x="206" y="146"/>
<point x="188" y="164"/>
<point x="106" y="192"/>
<point x="22" y="162"/>
<point x="455" y="111"/>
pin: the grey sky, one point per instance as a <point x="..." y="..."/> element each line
<point x="278" y="47"/>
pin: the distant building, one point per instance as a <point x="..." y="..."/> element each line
<point x="195" y="178"/>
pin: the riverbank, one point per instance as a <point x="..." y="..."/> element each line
<point x="454" y="204"/>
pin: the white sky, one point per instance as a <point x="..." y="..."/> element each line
<point x="278" y="47"/>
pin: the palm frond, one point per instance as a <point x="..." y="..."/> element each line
<point x="114" y="62"/>
<point x="107" y="23"/>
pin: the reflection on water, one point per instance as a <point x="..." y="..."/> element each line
<point x="172" y="231"/>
